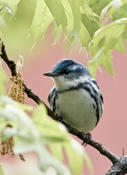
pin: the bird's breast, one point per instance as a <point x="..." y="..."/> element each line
<point x="77" y="108"/>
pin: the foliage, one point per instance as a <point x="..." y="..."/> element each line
<point x="26" y="22"/>
<point x="99" y="25"/>
<point x="3" y="79"/>
<point x="34" y="134"/>
<point x="1" y="170"/>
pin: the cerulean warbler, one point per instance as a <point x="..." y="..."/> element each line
<point x="75" y="96"/>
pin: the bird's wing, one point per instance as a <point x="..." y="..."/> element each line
<point x="52" y="99"/>
<point x="92" y="88"/>
<point x="94" y="81"/>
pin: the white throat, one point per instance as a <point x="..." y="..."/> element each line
<point x="63" y="83"/>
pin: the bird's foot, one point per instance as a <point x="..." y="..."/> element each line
<point x="86" y="138"/>
<point x="59" y="118"/>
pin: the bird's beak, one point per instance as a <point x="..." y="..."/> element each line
<point x="51" y="74"/>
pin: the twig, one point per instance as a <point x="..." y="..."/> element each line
<point x="119" y="164"/>
<point x="11" y="64"/>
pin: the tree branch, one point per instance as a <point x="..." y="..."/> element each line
<point x="11" y="64"/>
<point x="119" y="164"/>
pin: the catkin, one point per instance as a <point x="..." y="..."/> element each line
<point x="16" y="92"/>
<point x="17" y="89"/>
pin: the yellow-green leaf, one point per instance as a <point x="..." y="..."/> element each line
<point x="75" y="6"/>
<point x="74" y="156"/>
<point x="107" y="63"/>
<point x="1" y="170"/>
<point x="84" y="36"/>
<point x="58" y="12"/>
<point x="3" y="79"/>
<point x="57" y="151"/>
<point x="41" y="21"/>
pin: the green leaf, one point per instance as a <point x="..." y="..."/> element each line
<point x="113" y="36"/>
<point x="52" y="130"/>
<point x="97" y="5"/>
<point x="91" y="25"/>
<point x="58" y="139"/>
<point x="45" y="158"/>
<point x="73" y="156"/>
<point x="75" y="6"/>
<point x="120" y="46"/>
<point x="1" y="170"/>
<point x="84" y="36"/>
<point x="107" y="30"/>
<point x="57" y="151"/>
<point x="121" y="13"/>
<point x="41" y="21"/>
<point x="69" y="41"/>
<point x="92" y="67"/>
<point x="60" y="168"/>
<point x="3" y="122"/>
<point x="88" y="162"/>
<point x="4" y="100"/>
<point x="2" y="25"/>
<point x="107" y="63"/>
<point x="23" y="10"/>
<point x="25" y="107"/>
<point x="26" y="136"/>
<point x="10" y="110"/>
<point x="57" y="33"/>
<point x="75" y="153"/>
<point x="69" y="15"/>
<point x="104" y="58"/>
<point x="17" y="28"/>
<point x="103" y="42"/>
<point x="115" y="9"/>
<point x="87" y="10"/>
<point x="113" y="6"/>
<point x="10" y="6"/>
<point x="3" y="80"/>
<point x="33" y="134"/>
<point x="58" y="12"/>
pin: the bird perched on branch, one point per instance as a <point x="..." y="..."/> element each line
<point x="75" y="97"/>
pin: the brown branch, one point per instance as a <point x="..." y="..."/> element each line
<point x="119" y="164"/>
<point x="11" y="64"/>
<point x="119" y="168"/>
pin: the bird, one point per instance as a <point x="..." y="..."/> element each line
<point x="75" y="96"/>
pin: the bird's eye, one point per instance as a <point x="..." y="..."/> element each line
<point x="65" y="72"/>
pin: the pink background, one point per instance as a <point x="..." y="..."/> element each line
<point x="111" y="130"/>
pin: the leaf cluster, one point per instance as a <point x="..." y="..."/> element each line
<point x="36" y="133"/>
<point x="100" y="26"/>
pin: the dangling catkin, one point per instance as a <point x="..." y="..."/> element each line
<point x="16" y="92"/>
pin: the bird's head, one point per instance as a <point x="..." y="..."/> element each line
<point x="68" y="73"/>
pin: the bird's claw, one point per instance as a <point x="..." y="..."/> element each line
<point x="59" y="118"/>
<point x="86" y="138"/>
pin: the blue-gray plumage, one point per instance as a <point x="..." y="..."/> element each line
<point x="75" y="96"/>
